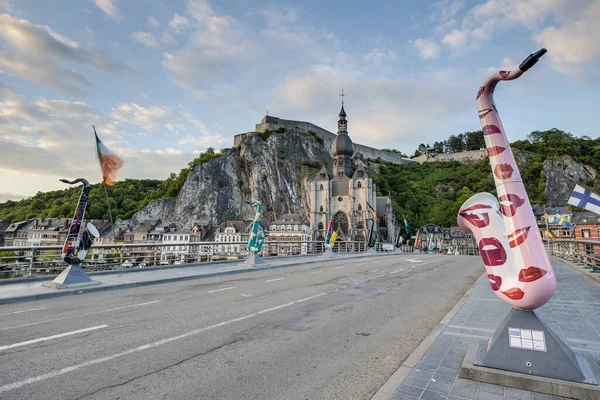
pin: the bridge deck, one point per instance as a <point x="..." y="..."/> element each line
<point x="333" y="329"/>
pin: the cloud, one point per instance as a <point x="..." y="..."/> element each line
<point x="383" y="112"/>
<point x="109" y="8"/>
<point x="39" y="49"/>
<point x="178" y="23"/>
<point x="456" y="39"/>
<point x="214" y="53"/>
<point x="148" y="118"/>
<point x="153" y="22"/>
<point x="146" y="38"/>
<point x="10" y="196"/>
<point x="427" y="48"/>
<point x="36" y="139"/>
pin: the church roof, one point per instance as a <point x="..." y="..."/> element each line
<point x="323" y="174"/>
<point x="342" y="112"/>
<point x="361" y="174"/>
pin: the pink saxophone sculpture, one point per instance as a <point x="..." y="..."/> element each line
<point x="507" y="234"/>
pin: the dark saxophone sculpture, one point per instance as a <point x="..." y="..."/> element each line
<point x="257" y="235"/>
<point x="510" y="244"/>
<point x="78" y="240"/>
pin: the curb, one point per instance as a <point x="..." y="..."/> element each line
<point x="391" y="385"/>
<point x="93" y="289"/>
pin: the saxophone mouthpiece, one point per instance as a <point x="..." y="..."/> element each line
<point x="532" y="59"/>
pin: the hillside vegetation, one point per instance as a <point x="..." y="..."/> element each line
<point x="430" y="192"/>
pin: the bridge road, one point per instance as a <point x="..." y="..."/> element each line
<point x="335" y="330"/>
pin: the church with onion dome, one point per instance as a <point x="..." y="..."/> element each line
<point x="347" y="193"/>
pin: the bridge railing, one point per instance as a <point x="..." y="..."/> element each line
<point x="19" y="261"/>
<point x="583" y="252"/>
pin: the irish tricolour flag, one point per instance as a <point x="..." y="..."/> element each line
<point x="583" y="198"/>
<point x="109" y="162"/>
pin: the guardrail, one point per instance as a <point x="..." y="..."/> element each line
<point x="583" y="252"/>
<point x="18" y="261"/>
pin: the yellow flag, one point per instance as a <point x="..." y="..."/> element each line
<point x="332" y="239"/>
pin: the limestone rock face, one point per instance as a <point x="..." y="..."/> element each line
<point x="255" y="170"/>
<point x="561" y="174"/>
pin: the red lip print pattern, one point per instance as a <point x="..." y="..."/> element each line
<point x="503" y="171"/>
<point x="481" y="89"/>
<point x="484" y="112"/>
<point x="479" y="220"/>
<point x="518" y="236"/>
<point x="490" y="130"/>
<point x="514" y="293"/>
<point x="509" y="204"/>
<point x="531" y="274"/>
<point x="504" y="74"/>
<point x="494" y="151"/>
<point x="492" y="252"/>
<point x="495" y="282"/>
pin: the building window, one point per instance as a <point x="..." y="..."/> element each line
<point x="360" y="207"/>
<point x="586" y="233"/>
<point x="359" y="185"/>
<point x="321" y="209"/>
<point x="321" y="187"/>
<point x="320" y="226"/>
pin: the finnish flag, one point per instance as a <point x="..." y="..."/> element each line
<point x="583" y="198"/>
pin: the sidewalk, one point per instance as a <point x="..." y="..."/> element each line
<point x="24" y="289"/>
<point x="431" y="371"/>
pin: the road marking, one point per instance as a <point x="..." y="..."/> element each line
<point x="381" y="276"/>
<point x="220" y="290"/>
<point x="315" y="272"/>
<point x="246" y="295"/>
<point x="43" y="339"/>
<point x="81" y="315"/>
<point x="415" y="261"/>
<point x="396" y="271"/>
<point x="39" y="378"/>
<point x="339" y="267"/>
<point x="275" y="280"/>
<point x="22" y="311"/>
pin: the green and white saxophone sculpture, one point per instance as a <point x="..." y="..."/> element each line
<point x="257" y="236"/>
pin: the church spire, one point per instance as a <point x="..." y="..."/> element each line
<point x="342" y="148"/>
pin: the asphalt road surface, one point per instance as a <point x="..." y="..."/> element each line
<point x="336" y="330"/>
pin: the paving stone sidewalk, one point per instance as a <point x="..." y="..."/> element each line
<point x="573" y="313"/>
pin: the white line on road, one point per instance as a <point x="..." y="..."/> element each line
<point x="29" y="381"/>
<point x="396" y="271"/>
<point x="22" y="311"/>
<point x="43" y="339"/>
<point x="275" y="280"/>
<point x="415" y="261"/>
<point x="339" y="267"/>
<point x="220" y="290"/>
<point x="314" y="272"/>
<point x="81" y="315"/>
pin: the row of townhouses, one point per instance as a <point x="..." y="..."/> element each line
<point x="228" y="238"/>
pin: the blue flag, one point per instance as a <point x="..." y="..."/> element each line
<point x="291" y="194"/>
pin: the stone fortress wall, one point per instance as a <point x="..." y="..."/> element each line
<point x="463" y="156"/>
<point x="274" y="123"/>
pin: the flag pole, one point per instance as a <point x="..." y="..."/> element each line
<point x="584" y="204"/>
<point x="112" y="227"/>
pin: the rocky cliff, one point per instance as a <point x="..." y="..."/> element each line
<point x="256" y="169"/>
<point x="561" y="173"/>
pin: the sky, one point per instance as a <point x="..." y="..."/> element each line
<point x="164" y="80"/>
